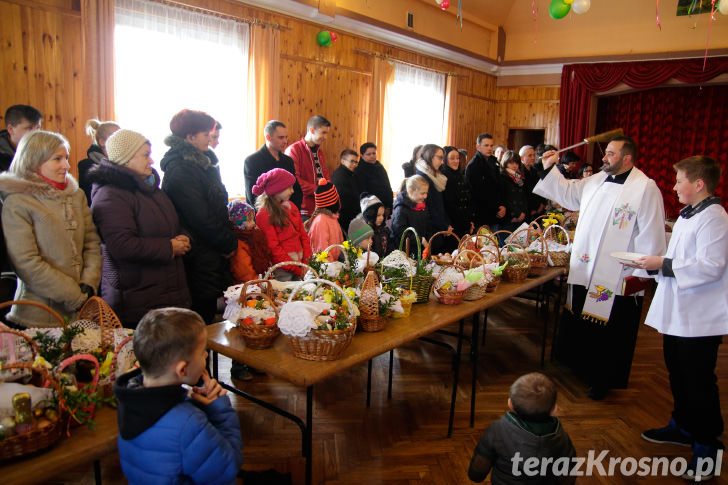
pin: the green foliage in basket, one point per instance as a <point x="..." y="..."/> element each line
<point x="55" y="350"/>
<point x="81" y="403"/>
<point x="385" y="307"/>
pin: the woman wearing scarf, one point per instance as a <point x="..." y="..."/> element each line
<point x="428" y="166"/>
<point x="457" y="192"/>
<point x="50" y="236"/>
<point x="514" y="189"/>
<point x="143" y="243"/>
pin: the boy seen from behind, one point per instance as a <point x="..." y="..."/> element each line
<point x="168" y="434"/>
<point x="529" y="431"/>
<point x="689" y="309"/>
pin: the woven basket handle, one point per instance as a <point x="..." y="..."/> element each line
<point x="502" y="231"/>
<point x="470" y="263"/>
<point x="50" y="310"/>
<point x="87" y="357"/>
<point x="544" y="247"/>
<point x="265" y="297"/>
<point x="48" y="378"/>
<point x="268" y="273"/>
<point x="556" y="226"/>
<point x="404" y="238"/>
<point x="523" y="251"/>
<point x="97" y="310"/>
<point x="343" y="250"/>
<point x="35" y="349"/>
<point x="114" y="359"/>
<point x="442" y="233"/>
<point x="319" y="283"/>
<point x="488" y="237"/>
<point x="260" y="282"/>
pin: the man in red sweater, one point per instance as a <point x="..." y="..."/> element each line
<point x="308" y="158"/>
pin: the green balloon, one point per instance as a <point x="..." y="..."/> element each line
<point x="558" y="9"/>
<point x="324" y="38"/>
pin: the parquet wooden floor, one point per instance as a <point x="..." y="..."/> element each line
<point x="402" y="440"/>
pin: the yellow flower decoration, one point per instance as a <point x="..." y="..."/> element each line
<point x="322" y="257"/>
<point x="346" y="244"/>
<point x="549" y="222"/>
<point x="41" y="362"/>
<point x="359" y="252"/>
<point x="328" y="296"/>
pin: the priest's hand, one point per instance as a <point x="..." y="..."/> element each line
<point x="650" y="263"/>
<point x="550" y="158"/>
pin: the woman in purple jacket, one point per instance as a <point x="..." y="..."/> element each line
<point x="142" y="243"/>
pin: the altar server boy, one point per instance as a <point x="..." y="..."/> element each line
<point x="690" y="309"/>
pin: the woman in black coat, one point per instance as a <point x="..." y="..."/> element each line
<point x="193" y="184"/>
<point x="457" y="192"/>
<point x="515" y="190"/>
<point x="142" y="243"/>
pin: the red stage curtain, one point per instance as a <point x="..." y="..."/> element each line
<point x="669" y="124"/>
<point x="580" y="81"/>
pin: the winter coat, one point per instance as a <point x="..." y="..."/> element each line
<point x="516" y="199"/>
<point x="435" y="202"/>
<point x="302" y="157"/>
<point x="252" y="257"/>
<point x="373" y="178"/>
<point x="347" y="185"/>
<point x="325" y="231"/>
<point x="94" y="155"/>
<point x="456" y="197"/>
<point x="165" y="437"/>
<point x="52" y="243"/>
<point x="262" y="161"/>
<point x="534" y="201"/>
<point x="136" y="222"/>
<point x="404" y="215"/>
<point x="483" y="177"/>
<point x="193" y="184"/>
<point x="288" y="239"/>
<point x="7" y="151"/>
<point x="382" y="240"/>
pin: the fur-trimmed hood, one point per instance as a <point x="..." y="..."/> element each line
<point x="108" y="173"/>
<point x="35" y="186"/>
<point x="179" y="148"/>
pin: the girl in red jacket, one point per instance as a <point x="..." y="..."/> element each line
<point x="281" y="222"/>
<point x="323" y="226"/>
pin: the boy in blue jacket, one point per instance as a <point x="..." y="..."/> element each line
<point x="168" y="434"/>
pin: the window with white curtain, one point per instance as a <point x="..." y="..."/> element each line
<point x="169" y="58"/>
<point x="413" y="115"/>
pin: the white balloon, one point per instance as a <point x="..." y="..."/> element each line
<point x="580" y="6"/>
<point x="723" y="7"/>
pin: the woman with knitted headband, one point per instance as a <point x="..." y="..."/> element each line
<point x="142" y="241"/>
<point x="281" y="222"/>
<point x="323" y="226"/>
<point x="51" y="239"/>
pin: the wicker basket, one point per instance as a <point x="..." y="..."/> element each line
<point x="558" y="258"/>
<point x="323" y="345"/>
<point x="269" y="273"/>
<point x="539" y="261"/>
<point x="36" y="439"/>
<point x="88" y="387"/>
<point x="449" y="296"/>
<point x="476" y="291"/>
<point x="258" y="337"/>
<point x="421" y="284"/>
<point x="516" y="273"/>
<point x="441" y="260"/>
<point x="370" y="320"/>
<point x="489" y="244"/>
<point x="346" y="282"/>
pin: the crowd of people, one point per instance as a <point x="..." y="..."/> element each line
<point x="145" y="242"/>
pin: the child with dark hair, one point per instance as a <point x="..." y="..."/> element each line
<point x="168" y="434"/>
<point x="372" y="210"/>
<point x="530" y="430"/>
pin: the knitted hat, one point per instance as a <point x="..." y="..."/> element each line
<point x="367" y="200"/>
<point x="239" y="212"/>
<point x="273" y="182"/>
<point x="326" y="196"/>
<point x="123" y="145"/>
<point x="359" y="230"/>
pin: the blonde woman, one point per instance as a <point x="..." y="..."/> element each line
<point x="99" y="131"/>
<point x="50" y="236"/>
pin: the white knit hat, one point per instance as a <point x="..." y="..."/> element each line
<point x="123" y="145"/>
<point x="367" y="200"/>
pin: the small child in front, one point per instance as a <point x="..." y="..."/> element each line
<point x="410" y="210"/>
<point x="166" y="433"/>
<point x="252" y="258"/>
<point x="373" y="210"/>
<point x="529" y="430"/>
<point x="281" y="222"/>
<point x="323" y="227"/>
<point x="689" y="309"/>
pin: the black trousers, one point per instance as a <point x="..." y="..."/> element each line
<point x="599" y="353"/>
<point x="206" y="307"/>
<point x="691" y="363"/>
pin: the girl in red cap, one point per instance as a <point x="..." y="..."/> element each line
<point x="323" y="226"/>
<point x="281" y="222"/>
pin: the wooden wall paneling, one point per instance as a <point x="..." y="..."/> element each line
<point x="15" y="86"/>
<point x="475" y="115"/>
<point x="527" y="107"/>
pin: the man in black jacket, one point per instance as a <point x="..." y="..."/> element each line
<point x="347" y="185"/>
<point x="483" y="175"/>
<point x="270" y="156"/>
<point x="19" y="120"/>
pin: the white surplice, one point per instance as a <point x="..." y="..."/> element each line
<point x="694" y="303"/>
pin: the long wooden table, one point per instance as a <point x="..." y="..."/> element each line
<point x="83" y="446"/>
<point x="279" y="361"/>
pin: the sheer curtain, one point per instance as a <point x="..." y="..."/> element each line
<point x="169" y="58"/>
<point x="413" y="115"/>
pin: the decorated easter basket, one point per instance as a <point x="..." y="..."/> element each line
<point x="476" y="291"/>
<point x="448" y="296"/>
<point x="536" y="248"/>
<point x="256" y="336"/>
<point x="561" y="257"/>
<point x="281" y="299"/>
<point x="421" y="284"/>
<point x="323" y="345"/>
<point x="491" y="257"/>
<point x="440" y="259"/>
<point x="519" y="263"/>
<point x="477" y="243"/>
<point x="370" y="320"/>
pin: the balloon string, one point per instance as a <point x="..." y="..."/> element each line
<point x="707" y="41"/>
<point x="657" y="13"/>
<point x="460" y="13"/>
<point x="535" y="24"/>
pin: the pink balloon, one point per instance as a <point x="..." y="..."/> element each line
<point x="445" y="4"/>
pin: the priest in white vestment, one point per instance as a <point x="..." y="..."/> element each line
<point x="621" y="209"/>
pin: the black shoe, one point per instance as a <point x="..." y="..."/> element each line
<point x="670" y="434"/>
<point x="597" y="393"/>
<point x="704" y="462"/>
<point x="240" y="371"/>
